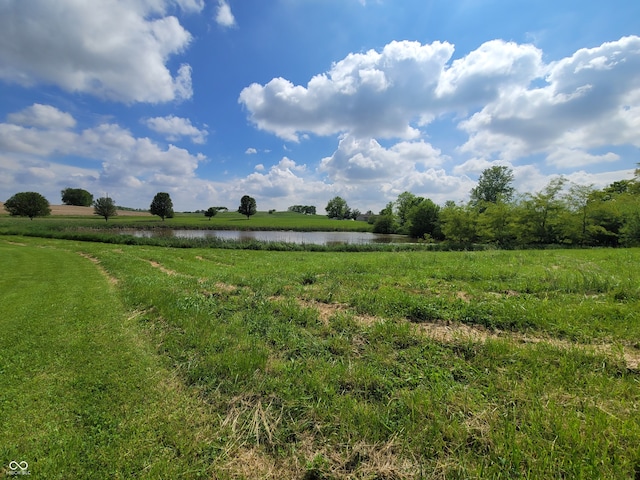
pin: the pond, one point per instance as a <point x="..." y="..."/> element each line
<point x="289" y="236"/>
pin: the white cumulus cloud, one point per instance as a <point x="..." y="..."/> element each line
<point x="116" y="50"/>
<point x="173" y="128"/>
<point x="110" y="157"/>
<point x="224" y="16"/>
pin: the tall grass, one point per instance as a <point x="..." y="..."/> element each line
<point x="317" y="365"/>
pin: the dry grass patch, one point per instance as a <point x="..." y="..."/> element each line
<point x="110" y="278"/>
<point x="157" y="265"/>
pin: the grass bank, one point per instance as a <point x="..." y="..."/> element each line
<point x="369" y="365"/>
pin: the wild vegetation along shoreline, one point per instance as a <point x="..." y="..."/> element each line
<point x="306" y="365"/>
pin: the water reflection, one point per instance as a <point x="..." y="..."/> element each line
<point x="312" y="238"/>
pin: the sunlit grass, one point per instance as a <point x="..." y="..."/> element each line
<point x="321" y="365"/>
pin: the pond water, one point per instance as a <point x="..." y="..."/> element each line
<point x="314" y="238"/>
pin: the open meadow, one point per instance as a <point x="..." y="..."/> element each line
<point x="134" y="361"/>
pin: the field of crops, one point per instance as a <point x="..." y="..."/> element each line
<point x="149" y="362"/>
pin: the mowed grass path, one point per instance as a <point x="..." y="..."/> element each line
<point x="82" y="394"/>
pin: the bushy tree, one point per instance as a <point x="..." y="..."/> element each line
<point x="28" y="204"/>
<point x="496" y="224"/>
<point x="494" y="185"/>
<point x="459" y="223"/>
<point x="384" y="224"/>
<point x="162" y="206"/>
<point x="337" y="208"/>
<point x="403" y="205"/>
<point x="211" y="212"/>
<point x="423" y="218"/>
<point x="306" y="209"/>
<point x="540" y="213"/>
<point x="105" y="207"/>
<point x="76" y="196"/>
<point x="247" y="206"/>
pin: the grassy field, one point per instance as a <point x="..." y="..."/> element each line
<point x="147" y="362"/>
<point x="222" y="221"/>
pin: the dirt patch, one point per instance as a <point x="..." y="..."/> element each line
<point x="168" y="271"/>
<point x="464" y="296"/>
<point x="225" y="287"/>
<point x="16" y="243"/>
<point x="110" y="278"/>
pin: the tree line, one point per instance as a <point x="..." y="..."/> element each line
<point x="561" y="213"/>
<point x="33" y="204"/>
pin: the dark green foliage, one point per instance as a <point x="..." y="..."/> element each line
<point x="423" y="220"/>
<point x="306" y="209"/>
<point x="105" y="207"/>
<point x="403" y="205"/>
<point x="247" y="206"/>
<point x="338" y="209"/>
<point x="76" y="196"/>
<point x="211" y="212"/>
<point x="28" y="204"/>
<point x="384" y="224"/>
<point x="162" y="206"/>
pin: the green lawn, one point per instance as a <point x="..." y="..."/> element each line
<point x="82" y="392"/>
<point x="250" y="364"/>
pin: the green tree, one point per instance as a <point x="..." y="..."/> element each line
<point x="337" y="208"/>
<point x="575" y="225"/>
<point x="459" y="223"/>
<point x="496" y="224"/>
<point x="540" y="214"/>
<point x="104" y="207"/>
<point x="384" y="224"/>
<point x="162" y="206"/>
<point x="76" y="196"/>
<point x="247" y="206"/>
<point x="403" y="205"/>
<point x="28" y="204"/>
<point x="423" y="218"/>
<point x="211" y="212"/>
<point x="494" y="185"/>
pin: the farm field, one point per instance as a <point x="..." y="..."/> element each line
<point x="150" y="362"/>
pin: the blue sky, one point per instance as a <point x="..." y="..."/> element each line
<point x="297" y="101"/>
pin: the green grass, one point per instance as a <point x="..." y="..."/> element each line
<point x="222" y="221"/>
<point x="82" y="394"/>
<point x="317" y="365"/>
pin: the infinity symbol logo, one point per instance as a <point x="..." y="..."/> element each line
<point x="13" y="465"/>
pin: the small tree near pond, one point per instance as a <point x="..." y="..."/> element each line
<point x="104" y="207"/>
<point x="162" y="206"/>
<point x="247" y="206"/>
<point x="211" y="212"/>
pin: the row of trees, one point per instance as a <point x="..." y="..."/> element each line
<point x="305" y="209"/>
<point x="561" y="213"/>
<point x="33" y="204"/>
